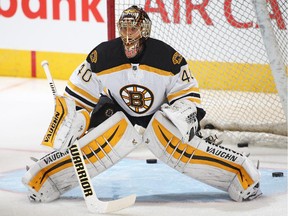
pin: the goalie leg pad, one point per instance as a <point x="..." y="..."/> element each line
<point x="216" y="166"/>
<point x="102" y="147"/>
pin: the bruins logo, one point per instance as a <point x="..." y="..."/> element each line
<point x="138" y="98"/>
<point x="177" y="58"/>
<point x="94" y="56"/>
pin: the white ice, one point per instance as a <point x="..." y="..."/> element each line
<point x="26" y="108"/>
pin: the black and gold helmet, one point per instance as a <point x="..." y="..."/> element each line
<point x="134" y="24"/>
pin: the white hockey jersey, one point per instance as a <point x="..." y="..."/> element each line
<point x="141" y="85"/>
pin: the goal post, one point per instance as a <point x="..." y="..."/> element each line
<point x="272" y="50"/>
<point x="237" y="50"/>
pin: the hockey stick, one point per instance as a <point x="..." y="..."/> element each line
<point x="93" y="203"/>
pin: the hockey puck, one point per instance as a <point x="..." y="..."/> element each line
<point x="277" y="174"/>
<point x="151" y="161"/>
<point x="241" y="145"/>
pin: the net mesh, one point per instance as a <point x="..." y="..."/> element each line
<point x="223" y="45"/>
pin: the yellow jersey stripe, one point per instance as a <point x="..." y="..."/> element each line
<point x="184" y="92"/>
<point x="82" y="92"/>
<point x="114" y="69"/>
<point x="156" y="70"/>
<point x="142" y="67"/>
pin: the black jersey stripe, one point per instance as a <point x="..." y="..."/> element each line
<point x="73" y="94"/>
<point x="194" y="95"/>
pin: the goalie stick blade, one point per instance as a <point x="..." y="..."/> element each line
<point x="97" y="206"/>
<point x="122" y="203"/>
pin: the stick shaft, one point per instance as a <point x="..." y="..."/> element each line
<point x="45" y="66"/>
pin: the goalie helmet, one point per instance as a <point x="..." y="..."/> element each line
<point x="134" y="27"/>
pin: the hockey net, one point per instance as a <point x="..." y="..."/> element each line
<point x="224" y="46"/>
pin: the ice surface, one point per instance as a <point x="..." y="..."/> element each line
<point x="26" y="108"/>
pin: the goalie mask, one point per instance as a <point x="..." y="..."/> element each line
<point x="134" y="27"/>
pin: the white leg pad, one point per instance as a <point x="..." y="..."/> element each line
<point x="102" y="147"/>
<point x="214" y="165"/>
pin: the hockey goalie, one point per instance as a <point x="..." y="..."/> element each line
<point x="129" y="81"/>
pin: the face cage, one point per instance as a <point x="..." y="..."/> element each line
<point x="129" y="32"/>
<point x="144" y="31"/>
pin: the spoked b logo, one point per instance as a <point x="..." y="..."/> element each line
<point x="138" y="98"/>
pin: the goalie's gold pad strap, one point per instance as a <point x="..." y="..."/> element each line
<point x="187" y="158"/>
<point x="56" y="122"/>
<point x="121" y="136"/>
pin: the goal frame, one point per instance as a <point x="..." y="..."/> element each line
<point x="272" y="50"/>
<point x="275" y="61"/>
